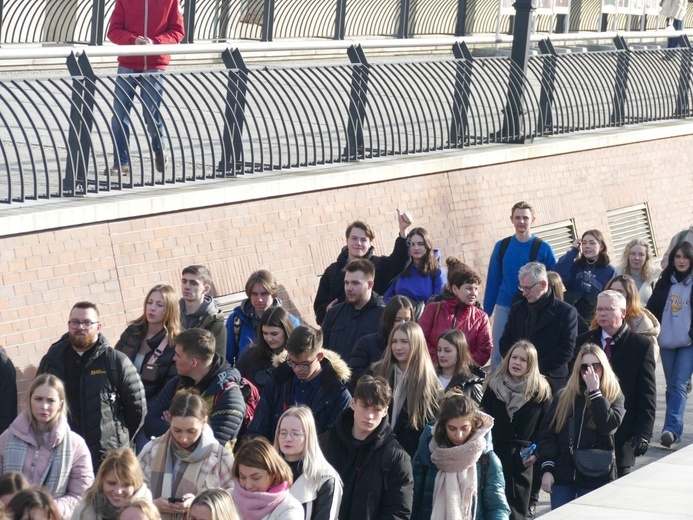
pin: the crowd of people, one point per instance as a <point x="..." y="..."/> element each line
<point x="412" y="405"/>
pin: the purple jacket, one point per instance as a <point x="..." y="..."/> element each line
<point x="81" y="472"/>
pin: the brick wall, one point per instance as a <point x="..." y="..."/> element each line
<point x="113" y="264"/>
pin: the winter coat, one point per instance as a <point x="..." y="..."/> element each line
<point x="220" y="390"/>
<point x="255" y="364"/>
<point x="242" y="328"/>
<point x="377" y="474"/>
<point x="553" y="335"/>
<point x="554" y="448"/>
<point x="675" y="9"/>
<point x="509" y="437"/>
<point x="344" y="325"/>
<point x="367" y="350"/>
<point x="648" y="326"/>
<point x="633" y="362"/>
<point x="208" y="317"/>
<point x="452" y="313"/>
<point x="288" y="509"/>
<point x="215" y="471"/>
<point x="327" y="403"/>
<point x="660" y="294"/>
<point x="583" y="283"/>
<point x="87" y="512"/>
<point x="331" y="285"/>
<point x="38" y="459"/>
<point x="129" y="344"/>
<point x="490" y="499"/>
<point x="416" y="287"/>
<point x="159" y="20"/>
<point x="112" y="403"/>
<point x="329" y="488"/>
<point x="471" y="384"/>
<point x="8" y="392"/>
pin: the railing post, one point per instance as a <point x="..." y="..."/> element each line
<point x="403" y="19"/>
<point x="461" y="24"/>
<point x="267" y="32"/>
<point x="512" y="120"/>
<point x="358" y="97"/>
<point x="682" y="104"/>
<point x="620" y="82"/>
<point x="340" y="19"/>
<point x="81" y="123"/>
<point x="232" y="161"/>
<point x="189" y="21"/>
<point x="97" y="22"/>
<point x="548" y="85"/>
<point x="459" y="126"/>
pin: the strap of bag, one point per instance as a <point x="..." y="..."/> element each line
<point x="159" y="350"/>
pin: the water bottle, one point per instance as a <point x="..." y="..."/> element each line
<point x="527" y="452"/>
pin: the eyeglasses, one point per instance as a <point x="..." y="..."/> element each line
<point x="76" y="324"/>
<point x="527" y="289"/>
<point x="605" y="309"/>
<point x="595" y="366"/>
<point x="301" y="366"/>
<point x="283" y="434"/>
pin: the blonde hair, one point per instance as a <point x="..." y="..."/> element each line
<point x="420" y="383"/>
<point x="648" y="268"/>
<point x="126" y="469"/>
<point x="537" y="386"/>
<point x="315" y="466"/>
<point x="56" y="384"/>
<point x="172" y="324"/>
<point x="219" y="502"/>
<point x="608" y="385"/>
<point x="149" y="510"/>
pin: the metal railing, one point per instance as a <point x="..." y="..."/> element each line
<point x="56" y="134"/>
<point x="86" y="21"/>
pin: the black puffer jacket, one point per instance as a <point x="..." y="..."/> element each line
<point x="471" y="383"/>
<point x="367" y="350"/>
<point x="112" y="403"/>
<point x="377" y="475"/>
<point x="332" y="280"/>
<point x="129" y="344"/>
<point x="344" y="325"/>
<point x="554" y="448"/>
<point x="256" y="364"/>
<point x="220" y="390"/>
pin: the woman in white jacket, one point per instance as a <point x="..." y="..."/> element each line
<point x="316" y="484"/>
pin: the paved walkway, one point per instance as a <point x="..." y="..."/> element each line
<point x="661" y="486"/>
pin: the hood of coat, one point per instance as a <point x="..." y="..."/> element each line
<point x="334" y="363"/>
<point x="21" y="428"/>
<point x="649" y="325"/>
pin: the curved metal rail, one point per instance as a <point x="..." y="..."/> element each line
<point x="56" y="134"/>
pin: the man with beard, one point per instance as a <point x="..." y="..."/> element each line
<point x="199" y="367"/>
<point x="105" y="396"/>
<point x="359" y="315"/>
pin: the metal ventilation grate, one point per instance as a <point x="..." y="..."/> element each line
<point x="559" y="234"/>
<point x="625" y="225"/>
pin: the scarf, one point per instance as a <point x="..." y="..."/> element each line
<point x="162" y="479"/>
<point x="104" y="509"/>
<point x="455" y="488"/>
<point x="56" y="475"/>
<point x="254" y="505"/>
<point x="510" y="392"/>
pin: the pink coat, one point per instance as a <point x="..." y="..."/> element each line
<point x="470" y="320"/>
<point x="81" y="472"/>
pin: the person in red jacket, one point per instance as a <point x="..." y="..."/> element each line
<point x="142" y="22"/>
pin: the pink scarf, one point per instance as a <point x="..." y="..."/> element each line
<point x="254" y="505"/>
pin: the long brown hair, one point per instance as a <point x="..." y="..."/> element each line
<point x="458" y="340"/>
<point x="455" y="404"/>
<point x="603" y="256"/>
<point x="420" y="383"/>
<point x="429" y="264"/>
<point x="172" y="324"/>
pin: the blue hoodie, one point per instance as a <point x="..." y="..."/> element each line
<point x="416" y="287"/>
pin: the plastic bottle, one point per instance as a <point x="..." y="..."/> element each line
<point x="527" y="452"/>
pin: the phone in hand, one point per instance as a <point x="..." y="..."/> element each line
<point x="175" y="500"/>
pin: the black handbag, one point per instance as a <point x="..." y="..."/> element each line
<point x="590" y="462"/>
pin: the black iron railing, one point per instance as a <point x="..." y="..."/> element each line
<point x="56" y="136"/>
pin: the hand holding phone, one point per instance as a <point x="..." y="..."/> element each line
<point x="175" y="500"/>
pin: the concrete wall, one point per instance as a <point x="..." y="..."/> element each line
<point x="462" y="198"/>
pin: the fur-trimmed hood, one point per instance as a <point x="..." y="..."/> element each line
<point x="336" y="363"/>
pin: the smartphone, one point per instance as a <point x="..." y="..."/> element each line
<point x="174" y="500"/>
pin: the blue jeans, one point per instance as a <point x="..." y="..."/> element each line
<point x="501" y="313"/>
<point x="151" y="84"/>
<point x="678" y="367"/>
<point x="672" y="43"/>
<point x="562" y="494"/>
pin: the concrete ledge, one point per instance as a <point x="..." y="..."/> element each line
<point x="43" y="215"/>
<point x="661" y="490"/>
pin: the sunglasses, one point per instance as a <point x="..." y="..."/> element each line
<point x="595" y="366"/>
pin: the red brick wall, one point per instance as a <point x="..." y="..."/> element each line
<point x="113" y="264"/>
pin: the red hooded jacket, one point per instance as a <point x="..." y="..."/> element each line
<point x="159" y="20"/>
